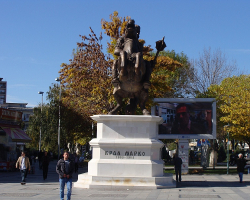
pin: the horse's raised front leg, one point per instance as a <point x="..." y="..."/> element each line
<point x="138" y="64"/>
<point x="142" y="101"/>
<point x="118" y="99"/>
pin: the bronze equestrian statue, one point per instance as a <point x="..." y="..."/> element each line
<point x="130" y="73"/>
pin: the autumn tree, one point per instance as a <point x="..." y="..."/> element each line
<point x="74" y="127"/>
<point x="47" y="123"/>
<point x="179" y="80"/>
<point x="35" y="122"/>
<point x="210" y="69"/>
<point x="164" y="67"/>
<point x="114" y="28"/>
<point x="232" y="97"/>
<point x="87" y="78"/>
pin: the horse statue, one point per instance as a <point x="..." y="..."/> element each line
<point x="130" y="73"/>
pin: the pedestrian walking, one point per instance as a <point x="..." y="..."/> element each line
<point x="40" y="157"/>
<point x="32" y="158"/>
<point x="23" y="164"/>
<point x="45" y="164"/>
<point x="35" y="157"/>
<point x="177" y="167"/>
<point x="241" y="163"/>
<point x="76" y="162"/>
<point x="65" y="169"/>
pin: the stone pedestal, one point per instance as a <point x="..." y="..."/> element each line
<point x="126" y="153"/>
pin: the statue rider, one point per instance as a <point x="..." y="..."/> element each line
<point x="130" y="73"/>
<point x="129" y="49"/>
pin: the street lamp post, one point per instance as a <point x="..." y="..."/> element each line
<point x="226" y="126"/>
<point x="59" y="116"/>
<point x="227" y="152"/>
<point x="40" y="137"/>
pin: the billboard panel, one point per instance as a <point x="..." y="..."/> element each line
<point x="186" y="118"/>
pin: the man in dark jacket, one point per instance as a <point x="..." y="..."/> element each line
<point x="65" y="169"/>
<point x="45" y="164"/>
<point x="241" y="163"/>
<point x="177" y="167"/>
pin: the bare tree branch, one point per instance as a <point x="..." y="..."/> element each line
<point x="210" y="69"/>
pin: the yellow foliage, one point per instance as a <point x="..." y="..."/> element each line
<point x="233" y="95"/>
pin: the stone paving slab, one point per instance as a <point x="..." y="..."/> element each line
<point x="192" y="187"/>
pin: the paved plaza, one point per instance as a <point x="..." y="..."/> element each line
<point x="193" y="187"/>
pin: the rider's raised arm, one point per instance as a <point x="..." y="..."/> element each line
<point x="160" y="46"/>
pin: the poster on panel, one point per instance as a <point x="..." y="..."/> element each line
<point x="186" y="118"/>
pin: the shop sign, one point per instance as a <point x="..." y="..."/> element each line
<point x="10" y="114"/>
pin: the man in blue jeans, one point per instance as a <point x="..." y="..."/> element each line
<point x="65" y="169"/>
<point x="23" y="164"/>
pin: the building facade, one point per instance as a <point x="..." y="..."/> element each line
<point x="12" y="136"/>
<point x="20" y="107"/>
<point x="3" y="91"/>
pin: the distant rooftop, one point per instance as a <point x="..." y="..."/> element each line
<point x="14" y="105"/>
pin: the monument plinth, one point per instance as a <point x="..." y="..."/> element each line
<point x="126" y="153"/>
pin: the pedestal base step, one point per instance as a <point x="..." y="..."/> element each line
<point x="87" y="181"/>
